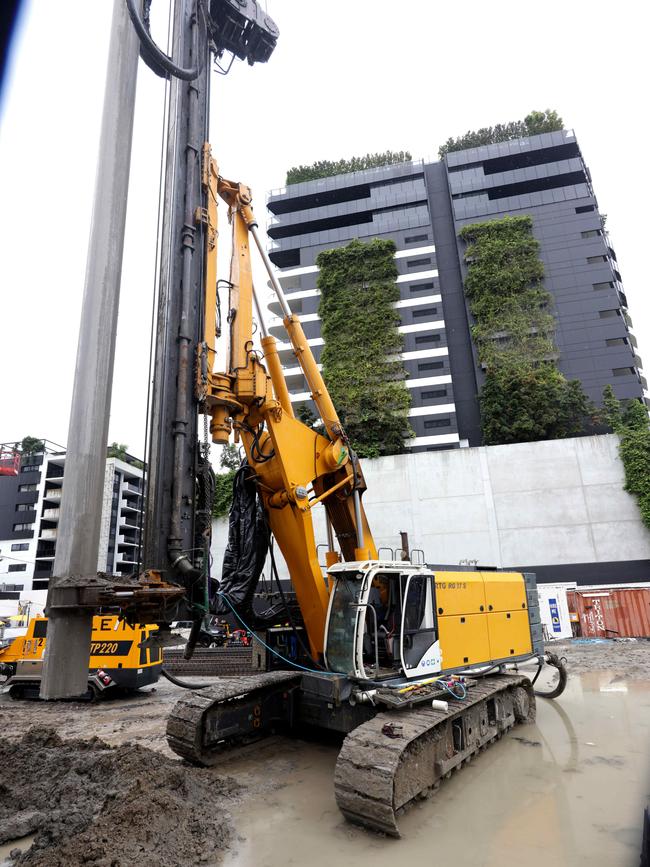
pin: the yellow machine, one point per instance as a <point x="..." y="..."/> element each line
<point x="383" y="639"/>
<point x="117" y="661"/>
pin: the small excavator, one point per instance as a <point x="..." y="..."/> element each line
<point x="412" y="663"/>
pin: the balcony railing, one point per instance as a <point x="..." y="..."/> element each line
<point x="49" y="534"/>
<point x="51" y="514"/>
<point x="53" y="494"/>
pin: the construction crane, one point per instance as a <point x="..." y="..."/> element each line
<point x="408" y="661"/>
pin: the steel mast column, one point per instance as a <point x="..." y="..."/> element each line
<point x="65" y="672"/>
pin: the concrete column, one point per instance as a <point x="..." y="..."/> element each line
<point x="65" y="671"/>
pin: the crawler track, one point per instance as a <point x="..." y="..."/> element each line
<point x="213" y="661"/>
<point x="204" y="723"/>
<point x="377" y="776"/>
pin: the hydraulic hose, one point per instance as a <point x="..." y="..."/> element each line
<point x="154" y="57"/>
<point x="553" y="660"/>
<point x="183" y="683"/>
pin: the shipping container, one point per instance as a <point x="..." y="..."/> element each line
<point x="612" y="613"/>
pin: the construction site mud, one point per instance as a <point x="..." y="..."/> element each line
<point x="568" y="790"/>
<point x="89" y="803"/>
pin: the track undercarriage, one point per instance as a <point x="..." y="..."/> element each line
<point x="389" y="759"/>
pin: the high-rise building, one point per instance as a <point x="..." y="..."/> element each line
<point x="29" y="517"/>
<point x="422" y="206"/>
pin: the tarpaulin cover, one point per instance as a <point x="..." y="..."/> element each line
<point x="248" y="543"/>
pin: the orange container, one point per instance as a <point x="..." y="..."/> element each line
<point x="612" y="613"/>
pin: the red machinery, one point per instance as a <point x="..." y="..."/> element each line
<point x="9" y="461"/>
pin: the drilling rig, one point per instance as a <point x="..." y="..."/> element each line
<point x="412" y="663"/>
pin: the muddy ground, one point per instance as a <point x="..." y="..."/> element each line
<point x="96" y="784"/>
<point x="629" y="656"/>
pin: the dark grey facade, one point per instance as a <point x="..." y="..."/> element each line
<point x="422" y="207"/>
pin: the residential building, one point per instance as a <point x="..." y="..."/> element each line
<point x="422" y="206"/>
<point x="29" y="517"/>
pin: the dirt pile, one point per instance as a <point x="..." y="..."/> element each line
<point x="90" y="803"/>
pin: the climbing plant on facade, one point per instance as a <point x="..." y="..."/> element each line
<point x="329" y="168"/>
<point x="361" y="363"/>
<point x="524" y="397"/>
<point x="631" y="424"/>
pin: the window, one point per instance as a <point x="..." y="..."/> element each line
<point x="18" y="567"/>
<point x="422" y="314"/>
<point x="437" y="422"/>
<point x="22" y="489"/>
<point x="427" y="338"/>
<point x="411" y="239"/>
<point x="606" y="285"/>
<point x="415" y="263"/>
<point x="608" y="314"/>
<point x="436" y="392"/>
<point x="584" y="209"/>
<point x="623" y="371"/>
<point x="590" y="233"/>
<point x="421" y="287"/>
<point x="25" y="507"/>
<point x="595" y="260"/>
<point x="20" y="528"/>
<point x="20" y="546"/>
<point x="430" y="365"/>
<point x="616" y="341"/>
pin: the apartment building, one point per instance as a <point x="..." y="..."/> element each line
<point x="422" y="207"/>
<point x="29" y="517"/>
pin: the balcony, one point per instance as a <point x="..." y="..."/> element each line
<point x="130" y="487"/>
<point x="54" y="471"/>
<point x="49" y="534"/>
<point x="54" y="494"/>
<point x="51" y="514"/>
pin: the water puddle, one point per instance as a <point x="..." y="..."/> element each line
<point x="568" y="791"/>
<point x="22" y="843"/>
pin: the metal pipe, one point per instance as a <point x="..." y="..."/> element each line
<point x="356" y="497"/>
<point x="183" y="394"/>
<point x="65" y="670"/>
<point x="260" y="317"/>
<point x="330" y="534"/>
<point x="286" y="310"/>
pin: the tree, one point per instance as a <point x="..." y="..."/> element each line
<point x="612" y="409"/>
<point x="230" y="459"/>
<point x="538" y="122"/>
<point x="636" y="416"/>
<point x="31" y="446"/>
<point x="533" y="124"/>
<point x="117" y="450"/>
<point x="305" y="415"/>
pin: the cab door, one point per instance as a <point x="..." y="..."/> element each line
<point x="419" y="645"/>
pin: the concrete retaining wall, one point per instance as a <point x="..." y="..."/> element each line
<point x="554" y="502"/>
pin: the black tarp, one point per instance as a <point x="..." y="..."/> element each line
<point x="248" y="544"/>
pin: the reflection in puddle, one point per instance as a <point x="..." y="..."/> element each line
<point x="568" y="791"/>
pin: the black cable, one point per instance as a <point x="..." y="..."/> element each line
<point x="183" y="683"/>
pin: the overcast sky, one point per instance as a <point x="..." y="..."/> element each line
<point x="348" y="77"/>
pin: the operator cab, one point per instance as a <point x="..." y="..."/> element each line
<point x="381" y="621"/>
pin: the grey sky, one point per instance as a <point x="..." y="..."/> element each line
<point x="347" y="78"/>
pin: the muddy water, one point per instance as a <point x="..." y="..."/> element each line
<point x="567" y="791"/>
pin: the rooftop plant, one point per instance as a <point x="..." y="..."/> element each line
<point x="328" y="168"/>
<point x="533" y="124"/>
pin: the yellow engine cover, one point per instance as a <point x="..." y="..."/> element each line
<point x="482" y="617"/>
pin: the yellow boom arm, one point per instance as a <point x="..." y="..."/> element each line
<point x="295" y="467"/>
